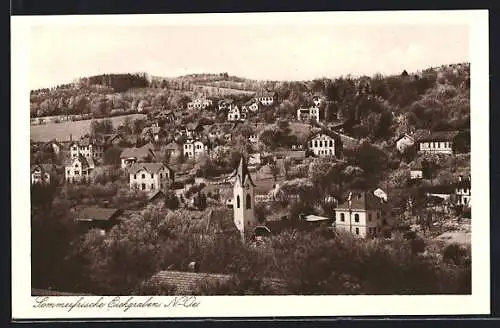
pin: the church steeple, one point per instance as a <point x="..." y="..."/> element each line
<point x="243" y="201"/>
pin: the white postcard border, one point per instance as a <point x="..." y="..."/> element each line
<point x="247" y="306"/>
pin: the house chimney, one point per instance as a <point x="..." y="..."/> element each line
<point x="194" y="266"/>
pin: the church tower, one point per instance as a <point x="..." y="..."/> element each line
<point x="243" y="201"/>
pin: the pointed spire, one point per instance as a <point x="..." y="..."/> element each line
<point x="242" y="171"/>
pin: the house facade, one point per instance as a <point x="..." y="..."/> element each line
<point x="265" y="98"/>
<point x="194" y="148"/>
<point x="463" y="192"/>
<point x="305" y="114"/>
<point x="79" y="169"/>
<point x="199" y="104"/>
<point x="235" y="114"/>
<point x="42" y="174"/>
<point x="322" y="144"/>
<point x="403" y="142"/>
<point x="88" y="148"/>
<point x="361" y="215"/>
<point x="149" y="176"/>
<point x="438" y="142"/>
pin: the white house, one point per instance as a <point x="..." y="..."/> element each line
<point x="88" y="148"/>
<point x="235" y="114"/>
<point x="265" y="98"/>
<point x="194" y="148"/>
<point x="438" y="142"/>
<point x="199" y="104"/>
<point x="463" y="191"/>
<point x="149" y="176"/>
<point x="79" y="169"/>
<point x="361" y="214"/>
<point x="254" y="138"/>
<point x="305" y="114"/>
<point x="322" y="144"/>
<point x="318" y="100"/>
<point x="42" y="173"/>
<point x="403" y="142"/>
<point x="226" y="104"/>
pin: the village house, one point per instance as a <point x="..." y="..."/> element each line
<point x="463" y="191"/>
<point x="438" y="142"/>
<point x="318" y="100"/>
<point x="42" y="173"/>
<point x="112" y="139"/>
<point x="199" y="104"/>
<point x="130" y="156"/>
<point x="153" y="132"/>
<point x="306" y="114"/>
<point x="79" y="169"/>
<point x="265" y="98"/>
<point x="404" y="142"/>
<point x="235" y="114"/>
<point x="416" y="171"/>
<point x="361" y="214"/>
<point x="194" y="148"/>
<point x="102" y="219"/>
<point x="54" y="146"/>
<point x="173" y="149"/>
<point x="87" y="147"/>
<point x="226" y="104"/>
<point x="254" y="138"/>
<point x="165" y="116"/>
<point x="150" y="176"/>
<point x="322" y="143"/>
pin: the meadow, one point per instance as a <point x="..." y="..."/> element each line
<point x="62" y="131"/>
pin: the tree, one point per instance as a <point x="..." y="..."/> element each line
<point x="111" y="156"/>
<point x="275" y="170"/>
<point x="101" y="127"/>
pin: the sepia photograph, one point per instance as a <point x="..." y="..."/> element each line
<point x="216" y="157"/>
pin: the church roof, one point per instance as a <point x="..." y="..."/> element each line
<point x="242" y="172"/>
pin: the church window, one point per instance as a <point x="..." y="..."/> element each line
<point x="249" y="202"/>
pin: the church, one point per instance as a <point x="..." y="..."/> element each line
<point x="244" y="200"/>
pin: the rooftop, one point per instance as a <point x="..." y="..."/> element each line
<point x="97" y="214"/>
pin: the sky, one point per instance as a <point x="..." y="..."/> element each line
<point x="58" y="54"/>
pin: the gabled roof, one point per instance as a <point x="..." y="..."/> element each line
<point x="142" y="152"/>
<point x="86" y="162"/>
<point x="43" y="167"/>
<point x="439" y="136"/>
<point x="326" y="132"/>
<point x="149" y="167"/>
<point x="155" y="194"/>
<point x="241" y="173"/>
<point x="362" y="201"/>
<point x="97" y="214"/>
<point x="404" y="135"/>
<point x="263" y="93"/>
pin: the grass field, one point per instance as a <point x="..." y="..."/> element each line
<point x="62" y="131"/>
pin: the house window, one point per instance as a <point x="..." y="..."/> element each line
<point x="143" y="186"/>
<point x="331" y="143"/>
<point x="356" y="217"/>
<point x="378" y="215"/>
<point x="135" y="176"/>
<point x="161" y="175"/>
<point x="315" y="144"/>
<point x="357" y="231"/>
<point x="238" y="201"/>
<point x="321" y="143"/>
<point x="369" y="217"/>
<point x="143" y="176"/>
<point x="249" y="202"/>
<point x="152" y="186"/>
<point x="152" y="175"/>
<point x="77" y="172"/>
<point x="342" y="217"/>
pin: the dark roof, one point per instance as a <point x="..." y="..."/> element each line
<point x="44" y="167"/>
<point x="155" y="194"/>
<point x="188" y="283"/>
<point x="440" y="189"/>
<point x="362" y="201"/>
<point x="401" y="136"/>
<point x="263" y="93"/>
<point x="149" y="167"/>
<point x="241" y="172"/>
<point x="142" y="152"/>
<point x="439" y="136"/>
<point x="97" y="214"/>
